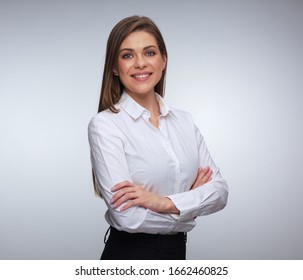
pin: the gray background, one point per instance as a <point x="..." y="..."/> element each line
<point x="235" y="65"/>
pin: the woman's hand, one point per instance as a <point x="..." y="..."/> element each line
<point x="133" y="195"/>
<point x="203" y="176"/>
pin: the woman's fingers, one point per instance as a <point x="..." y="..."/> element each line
<point x="125" y="191"/>
<point x="210" y="173"/>
<point x="129" y="195"/>
<point x="129" y="204"/>
<point x="203" y="176"/>
<point x="207" y="175"/>
<point x="122" y="196"/>
<point x="122" y="185"/>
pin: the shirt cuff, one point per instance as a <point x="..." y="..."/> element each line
<point x="187" y="204"/>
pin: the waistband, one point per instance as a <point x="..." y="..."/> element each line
<point x="144" y="236"/>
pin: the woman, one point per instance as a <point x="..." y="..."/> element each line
<point x="150" y="162"/>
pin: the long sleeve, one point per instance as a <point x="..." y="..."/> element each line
<point x="109" y="163"/>
<point x="206" y="199"/>
<point x="164" y="160"/>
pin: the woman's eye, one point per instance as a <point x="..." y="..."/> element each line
<point x="150" y="53"/>
<point x="127" y="55"/>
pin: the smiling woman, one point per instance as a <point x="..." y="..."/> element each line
<point x="112" y="87"/>
<point x="150" y="161"/>
<point x="140" y="65"/>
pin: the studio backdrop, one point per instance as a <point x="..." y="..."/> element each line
<point x="236" y="66"/>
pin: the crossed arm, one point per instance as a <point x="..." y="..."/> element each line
<point x="150" y="212"/>
<point x="134" y="195"/>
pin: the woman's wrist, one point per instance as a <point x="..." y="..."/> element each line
<point x="169" y="207"/>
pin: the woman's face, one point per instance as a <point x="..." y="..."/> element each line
<point x="140" y="63"/>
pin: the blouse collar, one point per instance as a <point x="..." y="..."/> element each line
<point x="135" y="110"/>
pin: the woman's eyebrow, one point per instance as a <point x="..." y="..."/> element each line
<point x="145" y="48"/>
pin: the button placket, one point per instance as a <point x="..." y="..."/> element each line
<point x="146" y="117"/>
<point x="168" y="146"/>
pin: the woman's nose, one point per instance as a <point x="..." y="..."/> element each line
<point x="140" y="62"/>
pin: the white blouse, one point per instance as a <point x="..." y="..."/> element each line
<point x="165" y="160"/>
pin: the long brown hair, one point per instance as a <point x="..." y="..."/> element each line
<point x="112" y="88"/>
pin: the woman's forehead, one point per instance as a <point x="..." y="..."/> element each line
<point x="138" y="40"/>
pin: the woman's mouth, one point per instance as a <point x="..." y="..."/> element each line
<point x="141" y="76"/>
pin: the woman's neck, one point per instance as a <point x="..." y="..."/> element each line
<point x="149" y="102"/>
